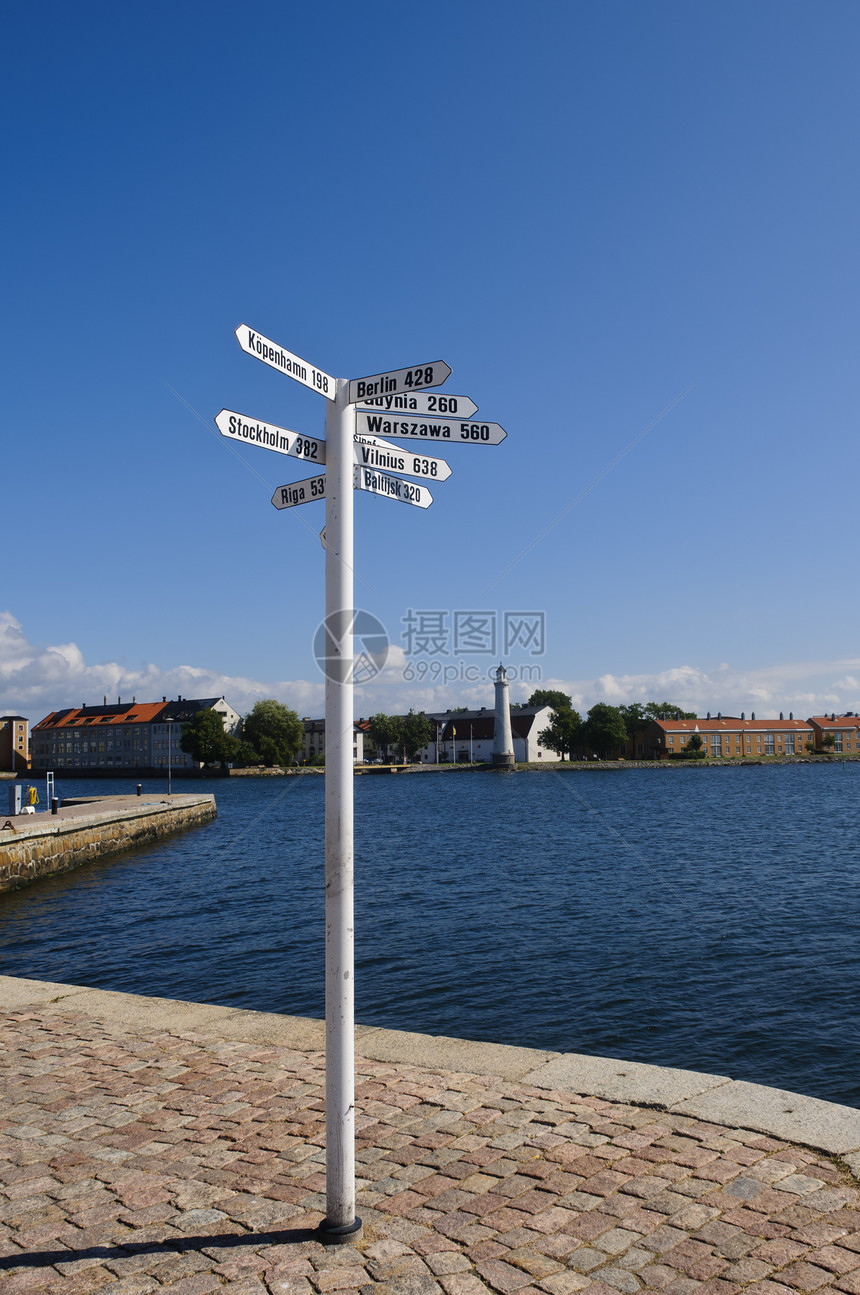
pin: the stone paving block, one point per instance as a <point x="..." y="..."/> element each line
<point x="215" y="1142"/>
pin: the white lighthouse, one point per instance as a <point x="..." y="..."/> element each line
<point x="503" y="742"/>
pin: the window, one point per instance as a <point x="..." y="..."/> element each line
<point x="768" y="744"/>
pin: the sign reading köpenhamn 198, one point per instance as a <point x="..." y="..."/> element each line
<point x="284" y="361"/>
<point x="397" y="380"/>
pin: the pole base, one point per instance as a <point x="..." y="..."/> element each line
<point x="504" y="762"/>
<point x="339" y="1235"/>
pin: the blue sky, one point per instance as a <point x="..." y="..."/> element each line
<point x="593" y="213"/>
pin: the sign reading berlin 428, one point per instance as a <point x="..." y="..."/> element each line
<point x="397" y="380"/>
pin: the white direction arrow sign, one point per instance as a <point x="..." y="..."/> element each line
<point x="425" y="402"/>
<point x="399" y="380"/>
<point x="299" y="492"/>
<point x="454" y="431"/>
<point x="261" y="348"/>
<point x="379" y="483"/>
<point x="371" y="452"/>
<point x="253" y="431"/>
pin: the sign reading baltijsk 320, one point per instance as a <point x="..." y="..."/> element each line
<point x="280" y="358"/>
<point x="380" y="483"/>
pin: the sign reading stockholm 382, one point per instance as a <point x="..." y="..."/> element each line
<point x="253" y="431"/>
<point x="278" y="357"/>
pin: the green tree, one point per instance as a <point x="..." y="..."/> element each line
<point x="415" y="732"/>
<point x="274" y="731"/>
<point x="635" y="717"/>
<point x="604" y="730"/>
<point x="637" y="714"/>
<point x="204" y="739"/>
<point x="564" y="732"/>
<point x="694" y="746"/>
<point x="559" y="701"/>
<point x="385" y="731"/>
<point x="661" y="709"/>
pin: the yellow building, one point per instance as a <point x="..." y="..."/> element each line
<point x="14" y="744"/>
<point x="728" y="736"/>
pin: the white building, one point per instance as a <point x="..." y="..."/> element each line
<point x="467" y="736"/>
<point x="314" y="741"/>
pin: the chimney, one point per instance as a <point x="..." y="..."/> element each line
<point x="719" y="714"/>
<point x="791" y="714"/>
<point x="781" y="716"/>
<point x="743" y="715"/>
<point x="104" y="701"/>
<point x="752" y="715"/>
<point x="709" y="715"/>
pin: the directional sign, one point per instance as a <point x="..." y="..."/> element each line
<point x="299" y="492"/>
<point x="270" y="353"/>
<point x="380" y="483"/>
<point x="425" y="402"/>
<point x="398" y="381"/>
<point x="371" y="452"/>
<point x="253" y="431"/>
<point x="454" y="431"/>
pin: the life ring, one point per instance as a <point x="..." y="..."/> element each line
<point x="32" y="796"/>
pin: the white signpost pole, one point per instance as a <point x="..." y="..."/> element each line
<point x="340" y="1223"/>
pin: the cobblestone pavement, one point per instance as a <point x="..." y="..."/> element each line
<point x="139" y="1162"/>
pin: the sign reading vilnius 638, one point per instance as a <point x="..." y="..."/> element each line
<point x="253" y="343"/>
<point x="397" y="380"/>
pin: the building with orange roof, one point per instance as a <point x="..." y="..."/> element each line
<point x="726" y="735"/>
<point x="143" y="736"/>
<point x="837" y="733"/>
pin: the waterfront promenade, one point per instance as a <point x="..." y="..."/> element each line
<point x="147" y="1144"/>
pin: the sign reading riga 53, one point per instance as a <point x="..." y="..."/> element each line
<point x="279" y="358"/>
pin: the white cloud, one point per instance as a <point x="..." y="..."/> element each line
<point x="35" y="680"/>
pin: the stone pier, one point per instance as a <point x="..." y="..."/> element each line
<point x="40" y="845"/>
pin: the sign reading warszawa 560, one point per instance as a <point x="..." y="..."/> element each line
<point x="448" y="429"/>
